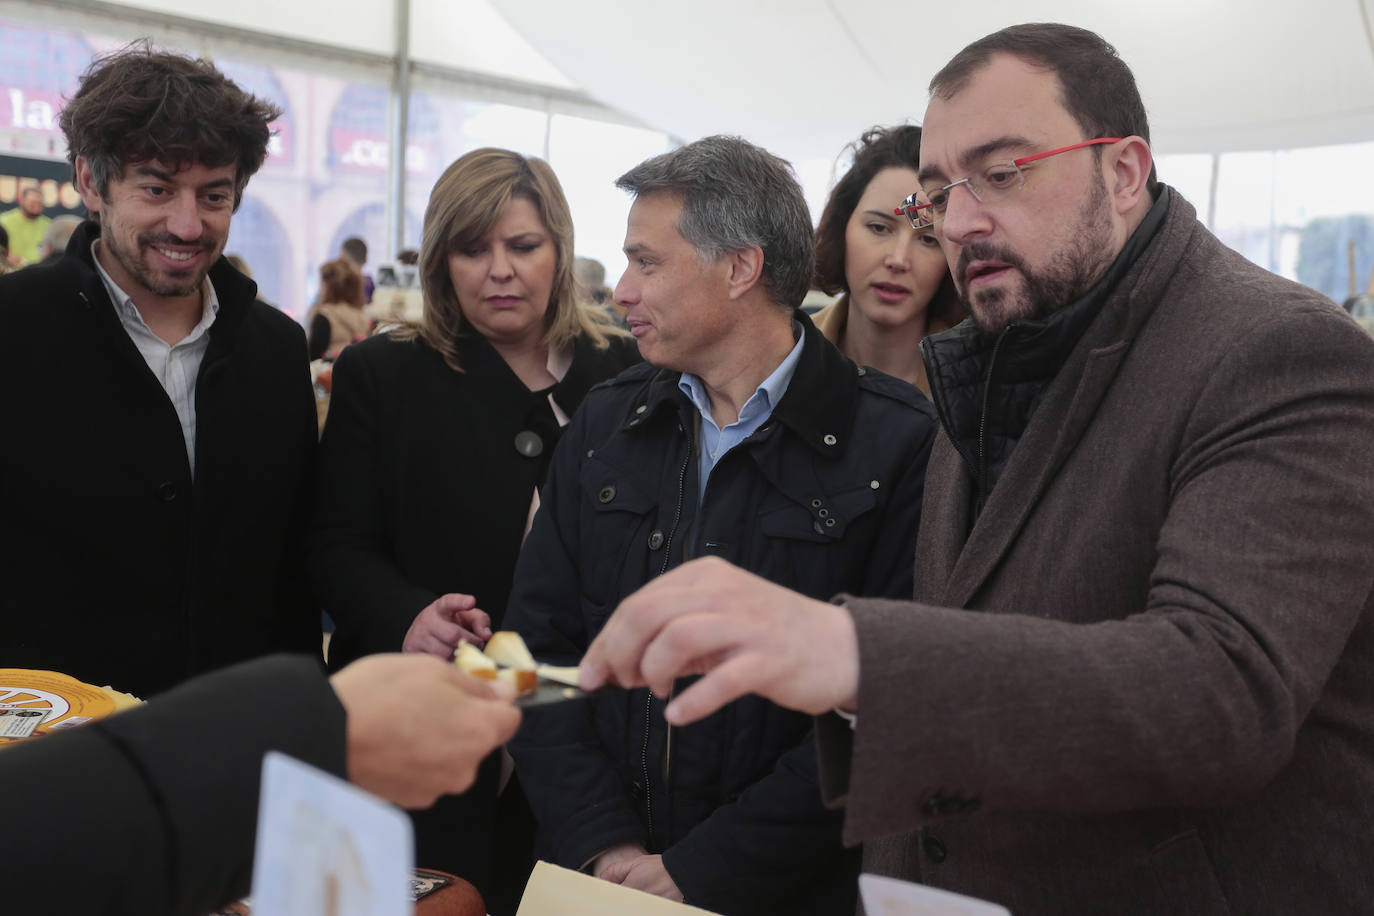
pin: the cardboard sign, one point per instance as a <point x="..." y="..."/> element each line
<point x="892" y="897"/>
<point x="327" y="848"/>
<point x="555" y="891"/>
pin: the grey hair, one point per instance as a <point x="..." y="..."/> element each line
<point x="736" y="195"/>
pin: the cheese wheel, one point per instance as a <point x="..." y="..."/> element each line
<point x="63" y="700"/>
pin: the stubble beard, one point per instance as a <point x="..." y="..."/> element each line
<point x="167" y="285"/>
<point x="1069" y="273"/>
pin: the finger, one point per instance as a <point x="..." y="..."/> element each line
<point x="462" y="634"/>
<point x="615" y="653"/>
<point x="452" y="603"/>
<point x="616" y="871"/>
<point x="475" y="619"/>
<point x="724" y="684"/>
<point x="688" y="644"/>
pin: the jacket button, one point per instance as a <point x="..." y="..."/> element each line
<point x="167" y="492"/>
<point x="529" y="444"/>
<point x="606" y="494"/>
<point x="829" y="439"/>
<point x="656" y="539"/>
<point x="934" y="849"/>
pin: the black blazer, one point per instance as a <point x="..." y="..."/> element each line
<point x="160" y="803"/>
<point x="118" y="568"/>
<point x="422" y="488"/>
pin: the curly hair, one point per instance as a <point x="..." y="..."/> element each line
<point x="879" y="148"/>
<point x="141" y="105"/>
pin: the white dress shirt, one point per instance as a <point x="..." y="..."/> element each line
<point x="175" y="366"/>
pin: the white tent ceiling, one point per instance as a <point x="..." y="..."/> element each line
<point x="804" y="77"/>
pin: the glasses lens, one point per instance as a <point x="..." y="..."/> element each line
<point x="1000" y="179"/>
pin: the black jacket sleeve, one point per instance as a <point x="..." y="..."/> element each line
<point x="352" y="568"/>
<point x="320" y="333"/>
<point x="159" y="804"/>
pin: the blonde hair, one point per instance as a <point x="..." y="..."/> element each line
<point x="465" y="204"/>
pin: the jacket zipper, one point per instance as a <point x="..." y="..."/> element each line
<point x="649" y="700"/>
<point x="983" y="416"/>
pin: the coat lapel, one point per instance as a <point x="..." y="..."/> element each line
<point x="1070" y="404"/>
<point x="944" y="520"/>
<point x="1054" y="431"/>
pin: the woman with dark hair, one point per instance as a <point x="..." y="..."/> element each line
<point x="338" y="320"/>
<point x="438" y="437"/>
<point x="894" y="279"/>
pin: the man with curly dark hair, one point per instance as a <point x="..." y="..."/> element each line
<point x="157" y="471"/>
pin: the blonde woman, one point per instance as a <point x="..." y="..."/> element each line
<point x="438" y="437"/>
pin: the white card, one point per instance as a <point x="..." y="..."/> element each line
<point x="327" y="848"/>
<point x="892" y="897"/>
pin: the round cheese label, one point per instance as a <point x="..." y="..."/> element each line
<point x="34" y="702"/>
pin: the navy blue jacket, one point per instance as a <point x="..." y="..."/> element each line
<point x="825" y="497"/>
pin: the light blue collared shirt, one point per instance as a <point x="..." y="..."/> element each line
<point x="715" y="442"/>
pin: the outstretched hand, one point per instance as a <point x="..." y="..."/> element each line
<point x="742" y="632"/>
<point x="418" y="728"/>
<point x="444" y="623"/>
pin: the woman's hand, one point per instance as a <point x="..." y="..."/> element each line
<point x="445" y="622"/>
<point x="645" y="873"/>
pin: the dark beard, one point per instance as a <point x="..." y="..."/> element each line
<point x="1070" y="273"/>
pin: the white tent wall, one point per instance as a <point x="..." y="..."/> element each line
<point x="1254" y="105"/>
<point x="327" y="174"/>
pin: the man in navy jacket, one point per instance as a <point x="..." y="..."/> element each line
<point x="745" y="435"/>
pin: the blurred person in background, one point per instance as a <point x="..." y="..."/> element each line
<point x="894" y="279"/>
<point x="239" y="264"/>
<point x="55" y="238"/>
<point x="438" y="438"/>
<point x="355" y="249"/>
<point x="4" y="251"/>
<point x="338" y="319"/>
<point x="25" y="224"/>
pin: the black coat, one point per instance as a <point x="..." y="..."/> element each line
<point x="824" y="497"/>
<point x="422" y="492"/>
<point x="119" y="568"/>
<point x="421" y="489"/>
<point x="159" y="805"/>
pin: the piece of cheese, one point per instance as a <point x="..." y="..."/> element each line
<point x="561" y="675"/>
<point x="470" y="660"/>
<point x="508" y="649"/>
<point x="521" y="680"/>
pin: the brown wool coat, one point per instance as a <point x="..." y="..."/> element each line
<point x="1144" y="681"/>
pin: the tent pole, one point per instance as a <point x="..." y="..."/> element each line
<point x="400" y="111"/>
